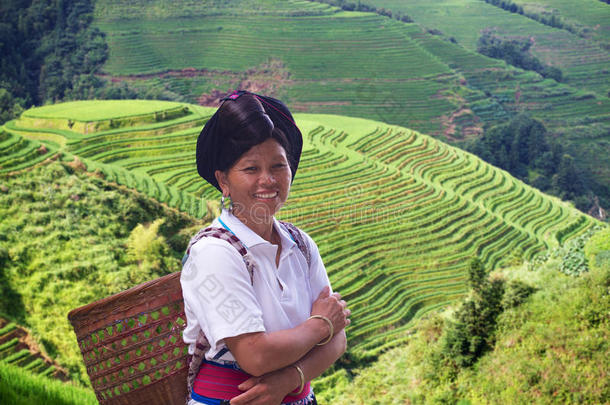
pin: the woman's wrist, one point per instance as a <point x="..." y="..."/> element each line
<point x="300" y="378"/>
<point x="328" y="328"/>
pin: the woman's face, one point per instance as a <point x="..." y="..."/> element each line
<point x="258" y="183"/>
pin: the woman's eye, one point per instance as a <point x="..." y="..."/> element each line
<point x="279" y="165"/>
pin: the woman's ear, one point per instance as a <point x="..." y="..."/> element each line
<point x="221" y="178"/>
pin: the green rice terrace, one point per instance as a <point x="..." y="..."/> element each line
<point x="425" y="75"/>
<point x="578" y="47"/>
<point x="17" y="348"/>
<point x="397" y="214"/>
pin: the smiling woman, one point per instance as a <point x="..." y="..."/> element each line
<point x="258" y="185"/>
<point x="262" y="321"/>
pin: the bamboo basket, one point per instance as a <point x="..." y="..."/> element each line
<point x="132" y="344"/>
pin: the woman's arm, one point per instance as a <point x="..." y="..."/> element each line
<point x="260" y="352"/>
<point x="271" y="388"/>
<point x="321" y="358"/>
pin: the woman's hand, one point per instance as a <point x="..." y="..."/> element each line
<point x="332" y="307"/>
<point x="268" y="389"/>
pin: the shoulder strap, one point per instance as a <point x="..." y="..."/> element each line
<point x="297" y="237"/>
<point x="223" y="234"/>
<point x="202" y="345"/>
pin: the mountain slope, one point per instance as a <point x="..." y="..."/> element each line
<point x="396" y="214"/>
<point x="320" y="59"/>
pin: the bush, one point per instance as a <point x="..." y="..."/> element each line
<point x="516" y="293"/>
<point x="150" y="252"/>
<point x="597" y="250"/>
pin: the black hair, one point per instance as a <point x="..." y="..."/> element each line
<point x="245" y="120"/>
<point x="243" y="123"/>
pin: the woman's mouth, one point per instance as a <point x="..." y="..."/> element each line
<point x="266" y="195"/>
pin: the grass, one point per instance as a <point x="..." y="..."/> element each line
<point x="20" y="387"/>
<point x="82" y="111"/>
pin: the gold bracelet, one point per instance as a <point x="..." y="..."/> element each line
<point x="330" y="327"/>
<point x="302" y="376"/>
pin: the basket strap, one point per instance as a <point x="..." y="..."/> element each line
<point x="297" y="237"/>
<point x="202" y="345"/>
<point x="228" y="236"/>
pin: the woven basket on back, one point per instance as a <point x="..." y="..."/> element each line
<point x="132" y="344"/>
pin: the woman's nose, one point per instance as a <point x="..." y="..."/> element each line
<point x="267" y="177"/>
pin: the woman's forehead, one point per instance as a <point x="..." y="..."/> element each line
<point x="268" y="149"/>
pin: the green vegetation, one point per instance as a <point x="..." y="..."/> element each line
<point x="515" y="52"/>
<point x="547" y="347"/>
<point x="365" y="64"/>
<point x="18" y="349"/>
<point x="586" y="17"/>
<point x="523" y="147"/>
<point x="570" y="110"/>
<point x="401" y="63"/>
<point x="582" y="60"/>
<point x="66" y="238"/>
<point x="328" y="71"/>
<point x="111" y="109"/>
<point x="49" y="51"/>
<point x="360" y="183"/>
<point x="20" y="387"/>
<point x="597" y="250"/>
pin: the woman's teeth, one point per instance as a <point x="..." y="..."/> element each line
<point x="266" y="195"/>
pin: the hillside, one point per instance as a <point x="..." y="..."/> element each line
<point x="67" y="238"/>
<point x="550" y="349"/>
<point x="21" y="387"/>
<point x="396" y="214"/>
<point x="17" y="347"/>
<point x="424" y="75"/>
<point x="578" y="45"/>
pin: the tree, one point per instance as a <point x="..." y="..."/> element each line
<point x="522" y="146"/>
<point x="472" y="332"/>
<point x="515" y="51"/>
<point x="10" y="107"/>
<point x="46" y="46"/>
<point x="567" y="179"/>
<point x="476" y="274"/>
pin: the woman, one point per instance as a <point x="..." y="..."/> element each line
<point x="261" y="319"/>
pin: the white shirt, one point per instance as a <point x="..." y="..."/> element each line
<point x="220" y="299"/>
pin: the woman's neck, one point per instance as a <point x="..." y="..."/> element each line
<point x="262" y="227"/>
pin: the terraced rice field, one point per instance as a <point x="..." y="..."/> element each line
<point x="396" y="214"/>
<point x="589" y="16"/>
<point x="584" y="62"/>
<point x="323" y="60"/>
<point x="496" y="92"/>
<point x="16" y="349"/>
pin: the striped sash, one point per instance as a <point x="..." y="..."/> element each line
<point x="220" y="381"/>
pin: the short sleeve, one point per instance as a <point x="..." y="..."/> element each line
<point x="218" y="294"/>
<point x="318" y="278"/>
